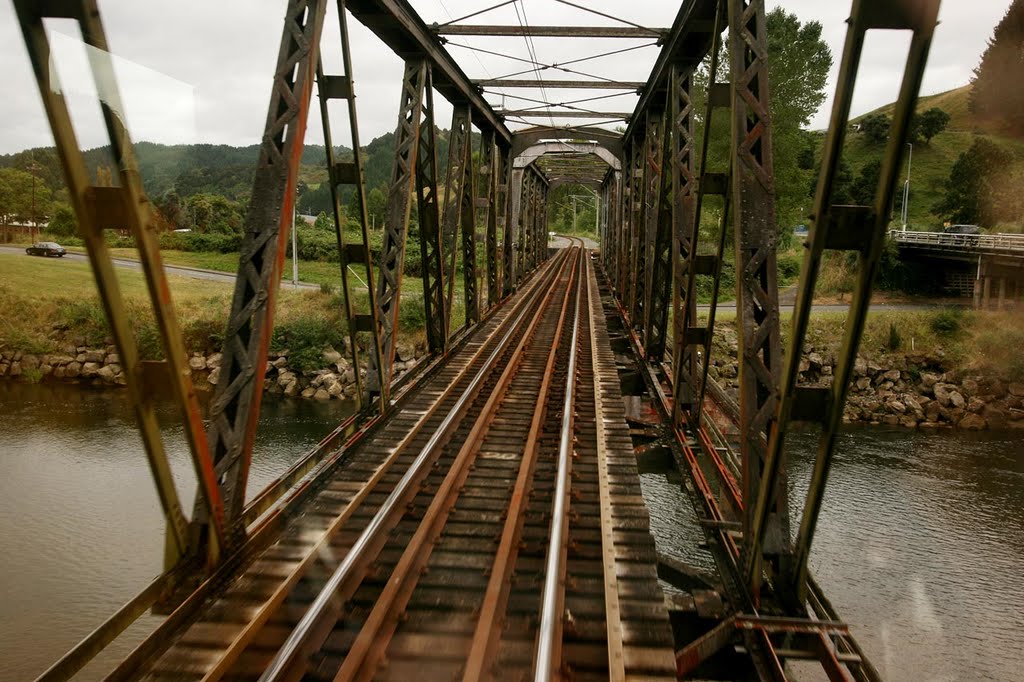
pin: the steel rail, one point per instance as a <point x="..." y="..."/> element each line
<point x="553" y="594"/>
<point x="266" y="611"/>
<point x="485" y="638"/>
<point x="263" y="515"/>
<point x="297" y="640"/>
<point x="613" y="616"/>
<point x="377" y="631"/>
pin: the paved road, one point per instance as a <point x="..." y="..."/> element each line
<point x="195" y="273"/>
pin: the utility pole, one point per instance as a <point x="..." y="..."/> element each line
<point x="295" y="248"/>
<point x="906" y="185"/>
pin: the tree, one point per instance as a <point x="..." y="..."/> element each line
<point x="862" y="190"/>
<point x="931" y="123"/>
<point x="970" y="197"/>
<point x="842" y="183"/>
<point x="63" y="223"/>
<point x="323" y="222"/>
<point x="996" y="93"/>
<point x="875" y="128"/>
<point x="797" y="71"/>
<point x="377" y="206"/>
<point x="23" y="197"/>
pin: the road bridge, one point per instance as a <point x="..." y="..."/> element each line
<point x="480" y="517"/>
<point x="989" y="266"/>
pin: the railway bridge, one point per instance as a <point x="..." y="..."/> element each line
<point x="480" y="517"/>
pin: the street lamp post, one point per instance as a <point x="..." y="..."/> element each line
<point x="906" y="185"/>
<point x="295" y="245"/>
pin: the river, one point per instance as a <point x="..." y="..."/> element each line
<point x="919" y="545"/>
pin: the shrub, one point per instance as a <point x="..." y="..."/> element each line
<point x="305" y="339"/>
<point x="788" y="266"/>
<point x="894" y="341"/>
<point x="947" y="322"/>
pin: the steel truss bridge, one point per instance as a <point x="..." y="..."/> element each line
<point x="481" y="516"/>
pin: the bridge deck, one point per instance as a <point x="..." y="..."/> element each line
<point x="452" y="583"/>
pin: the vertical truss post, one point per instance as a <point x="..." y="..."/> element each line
<point x="126" y="206"/>
<point x="503" y="168"/>
<point x="489" y="162"/>
<point x="647" y="217"/>
<point x="396" y="224"/>
<point x="460" y="212"/>
<point x="343" y="87"/>
<point x="523" y="227"/>
<point x="634" y="247"/>
<point x="757" y="300"/>
<point x="862" y="230"/>
<point x="696" y="340"/>
<point x="431" y="242"/>
<point x="510" y="248"/>
<point x="659" y="238"/>
<point x="684" y="227"/>
<point x="540" y="230"/>
<point x="234" y="411"/>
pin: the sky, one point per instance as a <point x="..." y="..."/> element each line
<point x="199" y="71"/>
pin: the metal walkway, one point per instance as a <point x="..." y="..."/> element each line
<point x="481" y="517"/>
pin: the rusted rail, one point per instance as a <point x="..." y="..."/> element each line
<point x="425" y="553"/>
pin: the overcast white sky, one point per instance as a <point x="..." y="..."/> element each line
<point x="199" y="71"/>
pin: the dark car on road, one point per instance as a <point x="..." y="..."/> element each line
<point x="962" y="229"/>
<point x="46" y="249"/>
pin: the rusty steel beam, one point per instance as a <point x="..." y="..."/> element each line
<point x="549" y="31"/>
<point x="757" y="301"/>
<point x="460" y="214"/>
<point x="566" y="84"/>
<point x="684" y="228"/>
<point x="343" y="87"/>
<point x="657" y="273"/>
<point x="234" y="410"/>
<point x="126" y="206"/>
<point x="435" y="303"/>
<point x="489" y="178"/>
<point x="528" y="137"/>
<point x="396" y="225"/>
<point x="860" y="229"/>
<point x="397" y="24"/>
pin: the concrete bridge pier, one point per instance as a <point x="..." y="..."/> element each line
<point x="1006" y="275"/>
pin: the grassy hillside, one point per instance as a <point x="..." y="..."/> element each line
<point x="932" y="162"/>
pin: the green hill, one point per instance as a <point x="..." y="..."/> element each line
<point x="931" y="162"/>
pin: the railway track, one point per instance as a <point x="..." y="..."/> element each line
<point x="493" y="528"/>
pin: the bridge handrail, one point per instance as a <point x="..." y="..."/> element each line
<point x="972" y="242"/>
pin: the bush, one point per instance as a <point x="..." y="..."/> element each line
<point x="894" y="341"/>
<point x="947" y="322"/>
<point x="305" y="339"/>
<point x="788" y="266"/>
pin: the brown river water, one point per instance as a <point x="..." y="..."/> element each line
<point x="919" y="546"/>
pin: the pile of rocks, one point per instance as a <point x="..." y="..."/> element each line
<point x="101" y="367"/>
<point x="75" y="363"/>
<point x="908" y="390"/>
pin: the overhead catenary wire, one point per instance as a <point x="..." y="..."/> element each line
<point x="477" y="13"/>
<point x="558" y="65"/>
<point x="531" y="49"/>
<point x="606" y="16"/>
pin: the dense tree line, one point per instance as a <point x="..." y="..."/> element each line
<point x="996" y="95"/>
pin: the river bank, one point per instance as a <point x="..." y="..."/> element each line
<point x="927" y="390"/>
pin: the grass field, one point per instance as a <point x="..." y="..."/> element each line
<point x="51" y="303"/>
<point x="932" y="162"/>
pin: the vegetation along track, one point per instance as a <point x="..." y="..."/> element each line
<point x="485" y="532"/>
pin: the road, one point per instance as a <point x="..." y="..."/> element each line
<point x="730" y="306"/>
<point x="182" y="271"/>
